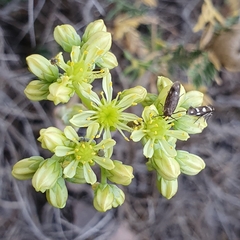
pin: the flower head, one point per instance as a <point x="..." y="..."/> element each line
<point x="107" y="112"/>
<point x="83" y="153"/>
<point x="79" y="72"/>
<point x="156" y="130"/>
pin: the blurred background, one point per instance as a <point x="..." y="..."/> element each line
<point x="196" y="42"/>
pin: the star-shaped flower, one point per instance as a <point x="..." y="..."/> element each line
<point x="107" y="112"/>
<point x="156" y="130"/>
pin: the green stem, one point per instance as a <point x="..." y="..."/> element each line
<point x="103" y="176"/>
<point x="84" y="100"/>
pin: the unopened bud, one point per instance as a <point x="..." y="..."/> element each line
<point x="167" y="188"/>
<point x="93" y="27"/>
<point x="167" y="167"/>
<point x="139" y="93"/>
<point x="58" y="194"/>
<point x="103" y="198"/>
<point x="121" y="173"/>
<point x="51" y="137"/>
<point x="37" y="90"/>
<point x="59" y="92"/>
<point x="78" y="177"/>
<point x="119" y="196"/>
<point x="192" y="99"/>
<point x="42" y="68"/>
<point x="47" y="175"/>
<point x="190" y="164"/>
<point x="25" y="168"/>
<point x="67" y="37"/>
<point x="108" y="60"/>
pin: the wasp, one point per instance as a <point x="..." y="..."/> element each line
<point x="202" y="111"/>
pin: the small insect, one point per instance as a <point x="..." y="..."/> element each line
<point x="202" y="111"/>
<point x="83" y="139"/>
<point x="134" y="124"/>
<point x="53" y="61"/>
<point x="100" y="153"/>
<point x="172" y="99"/>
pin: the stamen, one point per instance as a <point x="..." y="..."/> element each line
<point x="126" y="139"/>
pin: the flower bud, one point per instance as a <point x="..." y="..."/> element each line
<point x="149" y="99"/>
<point x="42" y="68"/>
<point x="167" y="188"/>
<point x="167" y="167"/>
<point x="93" y="27"/>
<point x="192" y="99"/>
<point x="75" y="54"/>
<point x="190" y="164"/>
<point x="59" y="93"/>
<point x="139" y="92"/>
<point x="121" y="173"/>
<point x="190" y="124"/>
<point x="103" y="198"/>
<point x="108" y="60"/>
<point x="51" y="137"/>
<point x="67" y="37"/>
<point x="162" y="82"/>
<point x="78" y="177"/>
<point x="97" y="45"/>
<point x="25" y="168"/>
<point x="119" y="196"/>
<point x="70" y="169"/>
<point x="58" y="194"/>
<point x="37" y="90"/>
<point x="47" y="175"/>
<point x="66" y="112"/>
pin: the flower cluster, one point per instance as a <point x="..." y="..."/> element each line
<point x="159" y="135"/>
<point x="78" y="72"/>
<point x="75" y="158"/>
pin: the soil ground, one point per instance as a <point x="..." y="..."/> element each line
<point x="206" y="207"/>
